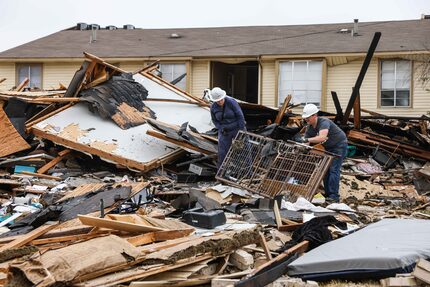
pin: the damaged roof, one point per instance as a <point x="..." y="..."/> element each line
<point x="397" y="36"/>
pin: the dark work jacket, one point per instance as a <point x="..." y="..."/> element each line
<point x="229" y="117"/>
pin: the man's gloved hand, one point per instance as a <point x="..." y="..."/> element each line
<point x="300" y="138"/>
<point x="224" y="131"/>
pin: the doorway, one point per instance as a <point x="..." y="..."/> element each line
<point x="240" y="81"/>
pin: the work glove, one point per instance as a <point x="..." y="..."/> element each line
<point x="300" y="138"/>
<point x="224" y="131"/>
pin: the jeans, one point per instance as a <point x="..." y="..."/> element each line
<point x="224" y="143"/>
<point x="332" y="178"/>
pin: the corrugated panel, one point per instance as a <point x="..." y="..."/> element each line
<point x="200" y="77"/>
<point x="56" y="73"/>
<point x="268" y="96"/>
<point x="7" y="70"/>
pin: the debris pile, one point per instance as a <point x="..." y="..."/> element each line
<point x="114" y="182"/>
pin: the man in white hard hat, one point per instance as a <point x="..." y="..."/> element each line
<point x="324" y="131"/>
<point x="228" y="118"/>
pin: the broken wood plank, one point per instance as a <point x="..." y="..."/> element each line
<point x="357" y="112"/>
<point x="29" y="236"/>
<point x="278" y="218"/>
<point x="151" y="237"/>
<point x="72" y="238"/>
<point x="263" y="244"/>
<point x="52" y="163"/>
<point x="41" y="175"/>
<point x="282" y="110"/>
<point x="2" y="80"/>
<point x="376" y="139"/>
<point x="116" y="225"/>
<point x="22" y="85"/>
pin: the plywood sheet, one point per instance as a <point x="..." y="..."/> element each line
<point x="10" y="140"/>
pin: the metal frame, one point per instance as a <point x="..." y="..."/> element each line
<point x="269" y="167"/>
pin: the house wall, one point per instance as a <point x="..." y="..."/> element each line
<point x="56" y="73"/>
<point x="199" y="77"/>
<point x="7" y="70"/>
<point x="342" y="78"/>
<point x="131" y="66"/>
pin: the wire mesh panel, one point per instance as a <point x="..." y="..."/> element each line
<point x="270" y="167"/>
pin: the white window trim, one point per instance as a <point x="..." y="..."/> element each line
<point x="395" y="79"/>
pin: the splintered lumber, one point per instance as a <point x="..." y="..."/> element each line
<point x="151" y="237"/>
<point x="282" y="110"/>
<point x="195" y="281"/>
<point x="71" y="238"/>
<point x="10" y="140"/>
<point x="278" y="218"/>
<point x="375" y="139"/>
<point x="53" y="162"/>
<point x="266" y="249"/>
<point x="29" y="236"/>
<point x="22" y="85"/>
<point x="136" y="273"/>
<point x="116" y="224"/>
<point x="41" y="175"/>
<point x="298" y="248"/>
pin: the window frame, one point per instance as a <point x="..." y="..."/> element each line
<point x="323" y="78"/>
<point x="187" y="70"/>
<point x="19" y="65"/>
<point x="380" y="90"/>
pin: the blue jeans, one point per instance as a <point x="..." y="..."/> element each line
<point x="332" y="177"/>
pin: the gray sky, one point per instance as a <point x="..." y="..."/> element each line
<point x="22" y="21"/>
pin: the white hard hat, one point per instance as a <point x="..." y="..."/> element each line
<point x="217" y="94"/>
<point x="309" y="110"/>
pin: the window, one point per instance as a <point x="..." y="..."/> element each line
<point x="395" y="83"/>
<point x="31" y="71"/>
<point x="301" y="79"/>
<point x="175" y="74"/>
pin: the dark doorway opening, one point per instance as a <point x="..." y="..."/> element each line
<point x="240" y="81"/>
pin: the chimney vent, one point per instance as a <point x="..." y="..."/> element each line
<point x="355" y="29"/>
<point x="111" y="27"/>
<point x="128" y="27"/>
<point x="93" y="27"/>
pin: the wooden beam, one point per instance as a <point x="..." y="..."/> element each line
<point x="116" y="224"/>
<point x="360" y="77"/>
<point x="66" y="238"/>
<point x="22" y="85"/>
<point x="282" y="110"/>
<point x="29" y="236"/>
<point x="339" y="112"/>
<point x="357" y="112"/>
<point x="263" y="244"/>
<point x="41" y="175"/>
<point x="376" y="139"/>
<point x="52" y="163"/>
<point x="2" y="80"/>
<point x="277" y="213"/>
<point x="298" y="248"/>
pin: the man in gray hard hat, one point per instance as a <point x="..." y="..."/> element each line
<point x="324" y="131"/>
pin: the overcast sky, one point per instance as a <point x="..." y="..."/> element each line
<point x="22" y="21"/>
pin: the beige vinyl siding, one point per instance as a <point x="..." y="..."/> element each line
<point x="56" y="73"/>
<point x="199" y="77"/>
<point x="7" y="70"/>
<point x="131" y="66"/>
<point x="420" y="96"/>
<point x="268" y="84"/>
<point x="342" y="78"/>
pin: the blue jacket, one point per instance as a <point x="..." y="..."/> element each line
<point x="229" y="117"/>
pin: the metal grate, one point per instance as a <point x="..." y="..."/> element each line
<point x="269" y="167"/>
